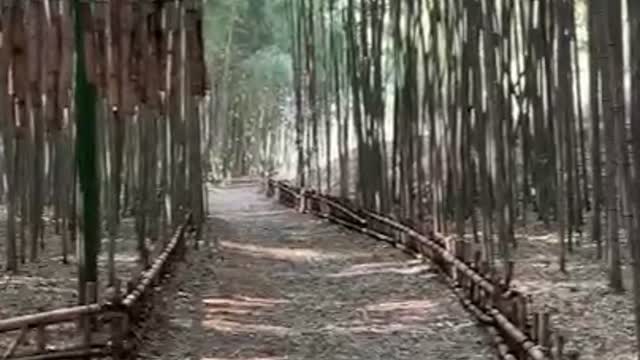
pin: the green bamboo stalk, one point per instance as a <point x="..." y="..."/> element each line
<point x="85" y="102"/>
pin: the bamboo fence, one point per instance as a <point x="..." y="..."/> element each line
<point x="116" y="316"/>
<point x="517" y="332"/>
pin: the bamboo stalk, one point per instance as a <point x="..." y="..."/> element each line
<point x="117" y="333"/>
<point x="49" y="317"/>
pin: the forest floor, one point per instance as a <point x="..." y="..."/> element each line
<point x="274" y="284"/>
<point x="48" y="283"/>
<point x="595" y="321"/>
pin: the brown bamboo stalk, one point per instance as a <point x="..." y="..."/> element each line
<point x="34" y="19"/>
<point x="126" y="100"/>
<point x="196" y="62"/>
<point x="19" y="65"/>
<point x="66" y="58"/>
<point x="153" y="69"/>
<point x="113" y="53"/>
<point x="139" y="53"/>
<point x="100" y="36"/>
<point x="52" y="114"/>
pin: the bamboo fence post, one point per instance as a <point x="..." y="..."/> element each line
<point x="559" y="347"/>
<point x="509" y="274"/>
<point x="88" y="320"/>
<point x="117" y="323"/>
<point x="543" y="330"/>
<point x="16" y="342"/>
<point x="303" y="200"/>
<point x="534" y="327"/>
<point x="41" y="337"/>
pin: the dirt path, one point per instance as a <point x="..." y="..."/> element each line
<point x="283" y="285"/>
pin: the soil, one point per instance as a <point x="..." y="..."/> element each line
<point x="270" y="283"/>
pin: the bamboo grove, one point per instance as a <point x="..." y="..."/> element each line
<point x="114" y="133"/>
<point x="475" y="117"/>
<point x="249" y="62"/>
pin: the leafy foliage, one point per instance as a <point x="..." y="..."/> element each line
<point x="247" y="49"/>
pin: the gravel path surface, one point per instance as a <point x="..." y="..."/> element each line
<point x="274" y="284"/>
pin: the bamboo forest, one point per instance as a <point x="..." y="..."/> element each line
<point x="320" y="179"/>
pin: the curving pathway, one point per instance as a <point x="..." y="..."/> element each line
<point x="274" y="284"/>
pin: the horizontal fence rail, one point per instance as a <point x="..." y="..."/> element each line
<point x="517" y="332"/>
<point x="119" y="313"/>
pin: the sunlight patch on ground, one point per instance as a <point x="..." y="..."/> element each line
<point x="399" y="267"/>
<point x="385" y="264"/>
<point x="125" y="258"/>
<point x="247" y="358"/>
<point x="548" y="237"/>
<point x="236" y="327"/>
<point x="408" y="312"/>
<point x="548" y="286"/>
<point x="286" y="254"/>
<point x="376" y="329"/>
<point x="237" y="315"/>
<point x="182" y="323"/>
<point x="245" y="301"/>
<point x="416" y="305"/>
<point x="400" y="271"/>
<point x="254" y="213"/>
